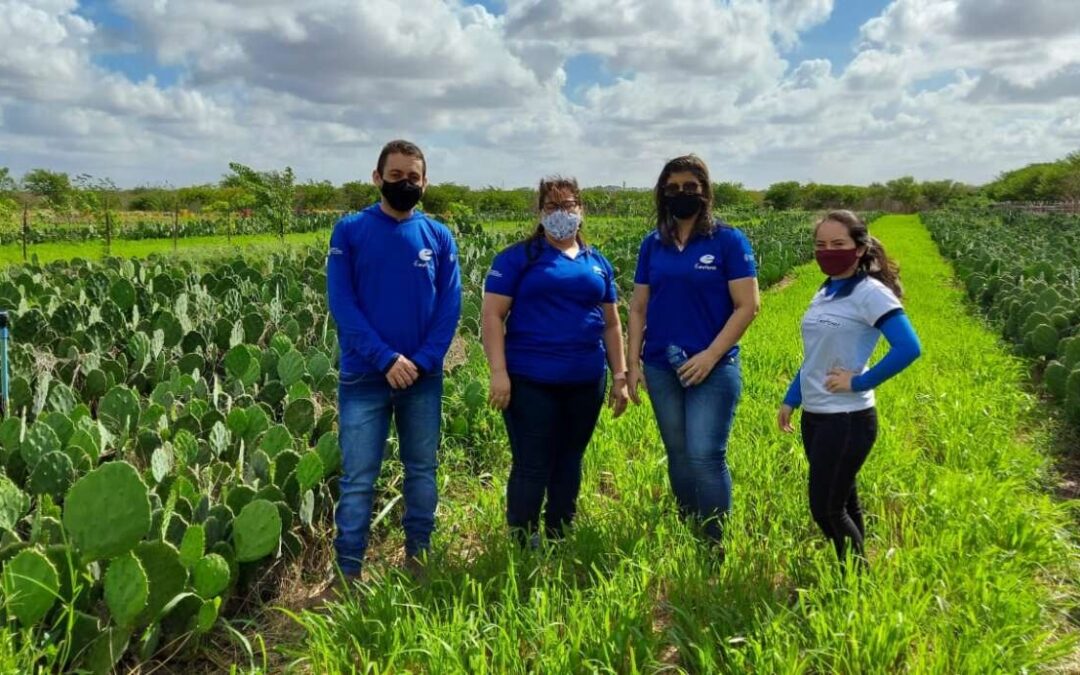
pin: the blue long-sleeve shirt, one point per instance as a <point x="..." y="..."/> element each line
<point x="904" y="348"/>
<point x="394" y="288"/>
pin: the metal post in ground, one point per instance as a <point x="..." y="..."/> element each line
<point x="25" y="229"/>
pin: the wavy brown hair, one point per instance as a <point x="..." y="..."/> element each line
<point x="665" y="222"/>
<point x="875" y="262"/>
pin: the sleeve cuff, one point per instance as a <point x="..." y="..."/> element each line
<point x="389" y="362"/>
<point x="858" y="384"/>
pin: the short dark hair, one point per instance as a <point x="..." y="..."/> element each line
<point x="400" y="147"/>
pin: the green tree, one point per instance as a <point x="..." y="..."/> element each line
<point x="904" y="192"/>
<point x="784" y="195"/>
<point x="439" y="198"/>
<point x="938" y="193"/>
<point x="54" y="187"/>
<point x="356" y="195"/>
<point x="313" y="196"/>
<point x="731" y="194"/>
<point x="274" y="193"/>
<point x="7" y="183"/>
<point x="7" y="194"/>
<point x="195" y="197"/>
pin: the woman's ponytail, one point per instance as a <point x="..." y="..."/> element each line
<point x="875" y="262"/>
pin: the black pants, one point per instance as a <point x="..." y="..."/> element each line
<point x="549" y="426"/>
<point x="836" y="445"/>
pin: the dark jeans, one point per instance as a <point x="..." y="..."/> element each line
<point x="366" y="404"/>
<point x="549" y="426"/>
<point x="695" y="423"/>
<point x="836" y="445"/>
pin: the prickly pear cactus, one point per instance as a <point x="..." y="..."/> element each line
<point x="309" y="471"/>
<point x="119" y="410"/>
<point x="207" y="616"/>
<point x="13" y="503"/>
<point x="256" y="531"/>
<point x="329" y="452"/>
<point x="107" y="511"/>
<point x="291" y="367"/>
<point x="211" y="575"/>
<point x="192" y="545"/>
<point x="166" y="576"/>
<point x="40" y="440"/>
<point x="126" y="588"/>
<point x="52" y="476"/>
<point x="30" y="584"/>
<point x="300" y="417"/>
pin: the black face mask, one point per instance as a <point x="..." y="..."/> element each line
<point x="683" y="206"/>
<point x="401" y="195"/>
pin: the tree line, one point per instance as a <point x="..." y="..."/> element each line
<point x="245" y="189"/>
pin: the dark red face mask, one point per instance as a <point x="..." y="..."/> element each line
<point x="836" y="261"/>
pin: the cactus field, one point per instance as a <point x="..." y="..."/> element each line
<point x="171" y="451"/>
<point x="1023" y="271"/>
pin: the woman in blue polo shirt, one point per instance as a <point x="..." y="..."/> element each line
<point x="859" y="302"/>
<point x="695" y="293"/>
<point x="549" y="323"/>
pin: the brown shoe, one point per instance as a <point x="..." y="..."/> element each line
<point x="339" y="586"/>
<point x="416" y="567"/>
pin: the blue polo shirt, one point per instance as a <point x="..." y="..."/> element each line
<point x="689" y="299"/>
<point x="555" y="329"/>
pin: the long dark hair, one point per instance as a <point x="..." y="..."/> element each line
<point x="875" y="262"/>
<point x="665" y="222"/>
<point x="549" y="184"/>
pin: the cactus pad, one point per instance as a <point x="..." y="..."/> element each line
<point x="211" y="575"/>
<point x="107" y="511"/>
<point x="30" y="585"/>
<point x="126" y="588"/>
<point x="256" y="531"/>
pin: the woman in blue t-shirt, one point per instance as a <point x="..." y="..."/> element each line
<point x="549" y="324"/>
<point x="695" y="293"/>
<point x="859" y="302"/>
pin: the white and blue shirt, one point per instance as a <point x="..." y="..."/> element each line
<point x="393" y="288"/>
<point x="555" y="329"/>
<point x="689" y="298"/>
<point x="841" y="330"/>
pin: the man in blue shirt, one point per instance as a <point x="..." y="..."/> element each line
<point x="394" y="290"/>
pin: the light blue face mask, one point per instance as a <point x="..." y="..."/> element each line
<point x="561" y="225"/>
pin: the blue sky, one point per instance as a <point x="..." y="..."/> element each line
<point x="835" y="40"/>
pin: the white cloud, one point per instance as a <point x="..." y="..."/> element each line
<point x="938" y="88"/>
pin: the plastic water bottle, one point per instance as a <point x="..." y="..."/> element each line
<point x="676" y="356"/>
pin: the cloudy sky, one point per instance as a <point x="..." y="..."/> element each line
<point x="501" y="92"/>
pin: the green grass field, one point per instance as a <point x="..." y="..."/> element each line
<point x="972" y="570"/>
<point x="188" y="246"/>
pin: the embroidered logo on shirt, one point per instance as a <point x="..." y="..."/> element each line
<point x="705" y="262"/>
<point x="598" y="270"/>
<point x="424" y="256"/>
<point x="495" y="273"/>
<point x="336" y="251"/>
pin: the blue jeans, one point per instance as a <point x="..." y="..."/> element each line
<point x="366" y="404"/>
<point x="694" y="424"/>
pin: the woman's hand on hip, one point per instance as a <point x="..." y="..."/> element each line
<point x="838" y="381"/>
